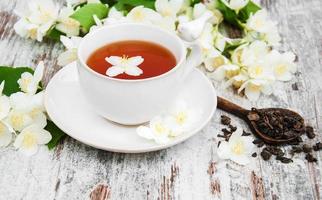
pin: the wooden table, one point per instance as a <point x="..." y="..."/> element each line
<point x="189" y="170"/>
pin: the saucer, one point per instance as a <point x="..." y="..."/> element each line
<point x="69" y="110"/>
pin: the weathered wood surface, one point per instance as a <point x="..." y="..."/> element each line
<point x="189" y="170"/>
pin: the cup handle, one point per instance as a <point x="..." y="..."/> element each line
<point x="194" y="58"/>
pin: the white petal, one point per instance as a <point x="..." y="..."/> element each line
<point x="67" y="57"/>
<point x="21" y="101"/>
<point x="97" y="20"/>
<point x="5" y="135"/>
<point x="176" y="5"/>
<point x="143" y="15"/>
<point x="198" y="10"/>
<point x="39" y="71"/>
<point x="114" y="71"/>
<point x="114" y="13"/>
<point x="1" y="87"/>
<point x="4" y="107"/>
<point x="237" y="4"/>
<point x="167" y="23"/>
<point x="249" y="145"/>
<point x="289" y="56"/>
<point x="243" y="86"/>
<point x="67" y="42"/>
<point x="223" y="150"/>
<point x="135" y="61"/>
<point x="160" y="5"/>
<point x="28" y="151"/>
<point x="236" y="135"/>
<point x="252" y="95"/>
<point x="133" y="71"/>
<point x="114" y="60"/>
<point x="65" y="12"/>
<point x="44" y="137"/>
<point x="18" y="142"/>
<point x="20" y="28"/>
<point x="18" y="120"/>
<point x="287" y="76"/>
<point x="40" y="120"/>
<point x="42" y="30"/>
<point x="145" y="132"/>
<point x="218" y="74"/>
<point x="38" y="101"/>
<point x="240" y="159"/>
<point x="162" y="139"/>
<point x="70" y="27"/>
<point x="266" y="89"/>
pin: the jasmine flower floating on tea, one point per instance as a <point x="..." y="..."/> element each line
<point x="125" y="65"/>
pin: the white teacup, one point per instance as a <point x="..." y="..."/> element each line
<point x="132" y="102"/>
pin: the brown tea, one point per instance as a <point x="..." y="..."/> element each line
<point x="157" y="59"/>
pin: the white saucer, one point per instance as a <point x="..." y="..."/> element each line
<point x="68" y="109"/>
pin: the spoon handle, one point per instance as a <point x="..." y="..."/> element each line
<point x="232" y="108"/>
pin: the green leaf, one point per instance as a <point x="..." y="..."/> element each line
<point x="56" y="133"/>
<point x="54" y="34"/>
<point x="229" y="15"/>
<point x="85" y="15"/>
<point x="229" y="48"/>
<point x="245" y="12"/>
<point x="109" y="2"/>
<point x="11" y="75"/>
<point x="193" y="2"/>
<point x="129" y="4"/>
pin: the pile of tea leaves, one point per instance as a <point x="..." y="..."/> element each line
<point x="279" y="126"/>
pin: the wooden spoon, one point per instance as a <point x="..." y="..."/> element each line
<point x="242" y="113"/>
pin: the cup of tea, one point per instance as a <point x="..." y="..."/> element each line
<point x="133" y="98"/>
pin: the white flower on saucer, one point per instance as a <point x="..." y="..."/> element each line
<point x="237" y="149"/>
<point x="28" y="82"/>
<point x="140" y="14"/>
<point x="36" y="19"/>
<point x="124" y="65"/>
<point x="66" y="24"/>
<point x="168" y="8"/>
<point x="4" y="103"/>
<point x="70" y="55"/>
<point x="283" y="65"/>
<point x="5" y="135"/>
<point x="254" y="87"/>
<point x="181" y="118"/>
<point x="158" y="130"/>
<point x="28" y="140"/>
<point x="260" y="22"/>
